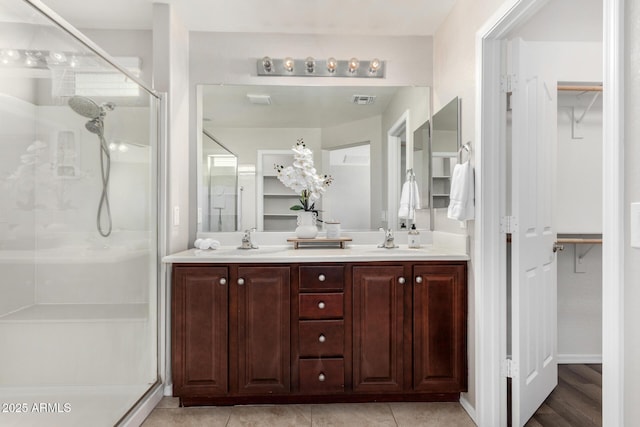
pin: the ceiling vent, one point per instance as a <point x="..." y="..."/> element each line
<point x="259" y="99"/>
<point x="363" y="99"/>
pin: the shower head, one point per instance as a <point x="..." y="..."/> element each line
<point x="85" y="107"/>
<point x="95" y="126"/>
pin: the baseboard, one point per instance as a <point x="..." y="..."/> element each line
<point x="579" y="358"/>
<point x="168" y="390"/>
<point x="468" y="407"/>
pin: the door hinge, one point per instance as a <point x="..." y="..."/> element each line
<point x="509" y="368"/>
<point x="507" y="83"/>
<point x="508" y="224"/>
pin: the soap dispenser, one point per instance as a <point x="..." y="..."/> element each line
<point x="414" y="237"/>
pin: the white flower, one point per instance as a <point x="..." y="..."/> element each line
<point x="302" y="176"/>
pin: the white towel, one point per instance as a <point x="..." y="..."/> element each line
<point x="409" y="200"/>
<point x="461" y="197"/>
<point x="218" y="199"/>
<point x="206" y="244"/>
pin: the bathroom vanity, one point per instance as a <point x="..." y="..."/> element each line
<point x="284" y="326"/>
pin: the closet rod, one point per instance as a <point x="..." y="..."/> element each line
<point x="568" y="240"/>
<point x="580" y="88"/>
<point x="580" y="241"/>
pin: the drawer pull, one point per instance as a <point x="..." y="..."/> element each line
<point x="322" y="338"/>
<point x="223" y="281"/>
<point x="419" y="279"/>
<point x="322" y="278"/>
<point x="321" y="305"/>
<point x="241" y="281"/>
<point x="321" y="377"/>
<point x="401" y="280"/>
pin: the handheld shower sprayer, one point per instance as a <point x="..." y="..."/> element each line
<point x="96" y="113"/>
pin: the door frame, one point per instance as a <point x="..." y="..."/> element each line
<point x="490" y="244"/>
<point x="400" y="126"/>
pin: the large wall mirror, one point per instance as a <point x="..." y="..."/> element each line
<point x="345" y="127"/>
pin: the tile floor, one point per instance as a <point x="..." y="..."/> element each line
<point x="421" y="414"/>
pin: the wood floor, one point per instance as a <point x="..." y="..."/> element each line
<point x="576" y="401"/>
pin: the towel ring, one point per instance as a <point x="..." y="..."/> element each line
<point x="466" y="147"/>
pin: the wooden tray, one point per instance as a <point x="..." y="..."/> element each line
<point x="319" y="241"/>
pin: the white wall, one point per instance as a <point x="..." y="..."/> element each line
<point x="171" y="71"/>
<point x="230" y="58"/>
<point x="579" y="174"/>
<point x="454" y="69"/>
<point x="631" y="295"/>
<point x="580" y="305"/>
<point x="367" y="130"/>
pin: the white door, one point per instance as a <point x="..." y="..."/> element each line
<point x="533" y="281"/>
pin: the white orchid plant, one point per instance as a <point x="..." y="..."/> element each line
<point x="302" y="178"/>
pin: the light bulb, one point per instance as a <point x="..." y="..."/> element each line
<point x="332" y="64"/>
<point x="267" y="64"/>
<point x="310" y="64"/>
<point x="57" y="57"/>
<point x="288" y="63"/>
<point x="123" y="148"/>
<point x="113" y="146"/>
<point x="353" y="65"/>
<point x="374" y="65"/>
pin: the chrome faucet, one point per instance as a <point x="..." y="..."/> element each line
<point x="246" y="240"/>
<point x="388" y="242"/>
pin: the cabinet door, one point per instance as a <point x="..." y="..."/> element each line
<point x="199" y="330"/>
<point x="378" y="313"/>
<point x="439" y="328"/>
<point x="263" y="325"/>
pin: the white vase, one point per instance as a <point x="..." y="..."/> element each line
<point x="306" y="225"/>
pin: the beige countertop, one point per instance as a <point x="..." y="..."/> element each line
<point x="286" y="254"/>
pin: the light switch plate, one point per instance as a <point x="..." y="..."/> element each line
<point x="176" y="216"/>
<point x="635" y="225"/>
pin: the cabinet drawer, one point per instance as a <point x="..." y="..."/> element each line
<point x="321" y="376"/>
<point x="321" y="306"/>
<point x="321" y="338"/>
<point x="322" y="278"/>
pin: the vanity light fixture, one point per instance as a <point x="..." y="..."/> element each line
<point x="288" y="64"/>
<point x="353" y="65"/>
<point x="311" y="67"/>
<point x="374" y="65"/>
<point x="332" y="64"/>
<point x="267" y="65"/>
<point x="310" y="64"/>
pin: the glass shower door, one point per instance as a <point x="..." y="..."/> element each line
<point x="78" y="229"/>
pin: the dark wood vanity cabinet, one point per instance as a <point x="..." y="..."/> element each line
<point x="230" y="330"/>
<point x="319" y="332"/>
<point x="199" y="330"/>
<point x="409" y="330"/>
<point x="439" y="338"/>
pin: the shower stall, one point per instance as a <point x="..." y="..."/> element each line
<point x="78" y="226"/>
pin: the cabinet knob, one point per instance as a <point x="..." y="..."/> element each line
<point x="322" y="278"/>
<point x="401" y="280"/>
<point x="223" y="281"/>
<point x="241" y="281"/>
<point x="321" y="377"/>
<point x="321" y="305"/>
<point x="322" y="338"/>
<point x="419" y="279"/>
